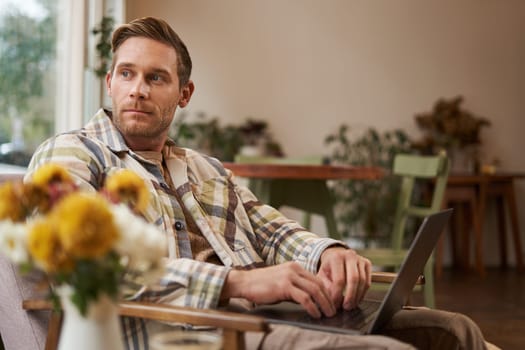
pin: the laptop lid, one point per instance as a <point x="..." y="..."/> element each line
<point x="413" y="265"/>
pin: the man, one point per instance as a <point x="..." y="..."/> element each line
<point x="223" y="243"/>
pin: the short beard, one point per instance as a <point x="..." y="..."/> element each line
<point x="135" y="130"/>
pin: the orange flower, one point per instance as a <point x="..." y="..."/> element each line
<point x="46" y="249"/>
<point x="11" y="201"/>
<point x="49" y="184"/>
<point x="85" y="225"/>
<point x="51" y="173"/>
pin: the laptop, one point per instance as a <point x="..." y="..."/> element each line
<point x="371" y="315"/>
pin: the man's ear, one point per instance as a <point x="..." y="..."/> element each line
<point x="185" y="94"/>
<point x="108" y="83"/>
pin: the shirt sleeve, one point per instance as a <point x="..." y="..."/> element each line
<point x="74" y="154"/>
<point x="282" y="239"/>
<point x="188" y="282"/>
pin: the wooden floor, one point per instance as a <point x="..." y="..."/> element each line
<point x="496" y="303"/>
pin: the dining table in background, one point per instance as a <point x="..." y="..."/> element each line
<point x="301" y="186"/>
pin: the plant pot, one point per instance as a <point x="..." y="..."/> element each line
<point x="252" y="150"/>
<point x="462" y="160"/>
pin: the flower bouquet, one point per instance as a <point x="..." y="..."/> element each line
<point x="88" y="244"/>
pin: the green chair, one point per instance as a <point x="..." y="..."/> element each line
<point x="412" y="168"/>
<point x="309" y="196"/>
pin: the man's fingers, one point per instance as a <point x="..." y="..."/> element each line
<point x="334" y="276"/>
<point x="352" y="283"/>
<point x="345" y="272"/>
<point x="300" y="296"/>
<point x="365" y="279"/>
<point x="316" y="292"/>
<point x="358" y="282"/>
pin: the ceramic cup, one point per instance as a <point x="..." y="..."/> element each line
<point x="186" y="340"/>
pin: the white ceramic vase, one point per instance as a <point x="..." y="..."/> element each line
<point x="98" y="329"/>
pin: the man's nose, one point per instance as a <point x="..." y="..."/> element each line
<point x="140" y="89"/>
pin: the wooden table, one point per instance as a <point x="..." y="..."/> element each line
<point x="301" y="186"/>
<point x="304" y="172"/>
<point x="474" y="190"/>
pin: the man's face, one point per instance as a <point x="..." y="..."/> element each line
<point x="144" y="88"/>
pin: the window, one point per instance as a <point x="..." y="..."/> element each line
<point x="27" y="76"/>
<point x="47" y="83"/>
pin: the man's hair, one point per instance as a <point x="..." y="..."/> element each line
<point x="158" y="30"/>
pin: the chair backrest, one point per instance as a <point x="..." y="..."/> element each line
<point x="411" y="168"/>
<point x="19" y="329"/>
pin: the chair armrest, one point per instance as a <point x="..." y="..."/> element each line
<point x="171" y="313"/>
<point x="389" y="277"/>
<point x="198" y="317"/>
<point x="233" y="324"/>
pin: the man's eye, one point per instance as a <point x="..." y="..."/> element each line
<point x="125" y="74"/>
<point x="156" y="77"/>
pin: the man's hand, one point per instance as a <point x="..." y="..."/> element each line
<point x="346" y="275"/>
<point x="284" y="282"/>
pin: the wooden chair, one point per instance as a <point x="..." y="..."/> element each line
<point x="309" y="196"/>
<point x="233" y="324"/>
<point x="411" y="168"/>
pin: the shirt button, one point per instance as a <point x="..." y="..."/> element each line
<point x="179" y="226"/>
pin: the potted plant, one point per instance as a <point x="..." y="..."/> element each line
<point x="223" y="142"/>
<point x="257" y="140"/>
<point x="366" y="207"/>
<point x="450" y="127"/>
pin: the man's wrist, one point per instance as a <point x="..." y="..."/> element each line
<point x="232" y="287"/>
<point x="329" y="249"/>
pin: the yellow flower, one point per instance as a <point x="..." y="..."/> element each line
<point x="50" y="173"/>
<point x="11" y="201"/>
<point x="46" y="249"/>
<point x="127" y="187"/>
<point x="85" y="225"/>
<point x="48" y="185"/>
<point x="36" y="197"/>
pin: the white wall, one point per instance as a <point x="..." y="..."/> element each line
<point x="307" y="66"/>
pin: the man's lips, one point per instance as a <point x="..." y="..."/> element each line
<point x="135" y="111"/>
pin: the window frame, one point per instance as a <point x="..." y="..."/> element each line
<point x="80" y="93"/>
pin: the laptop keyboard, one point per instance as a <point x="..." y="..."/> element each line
<point x="353" y="321"/>
<point x="356" y="318"/>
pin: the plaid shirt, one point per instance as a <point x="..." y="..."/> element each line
<point x="243" y="232"/>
